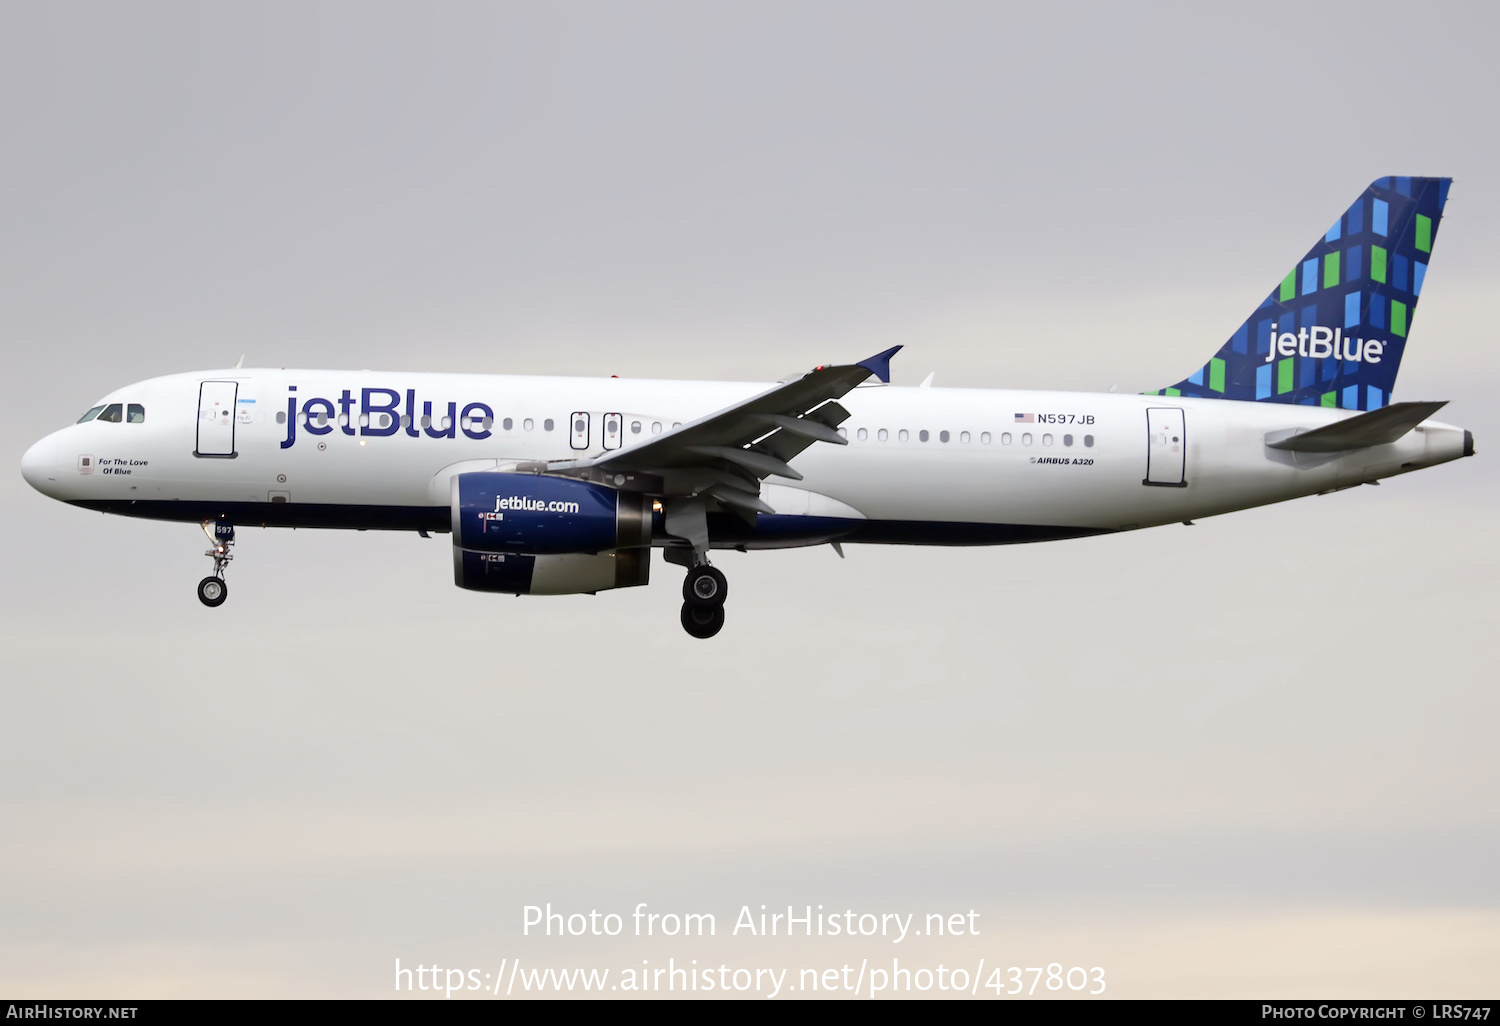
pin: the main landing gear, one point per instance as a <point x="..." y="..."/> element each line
<point x="212" y="591"/>
<point x="703" y="593"/>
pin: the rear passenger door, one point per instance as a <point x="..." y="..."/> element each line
<point x="1166" y="448"/>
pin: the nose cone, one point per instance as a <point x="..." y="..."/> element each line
<point x="39" y="465"/>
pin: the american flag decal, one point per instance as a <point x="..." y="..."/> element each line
<point x="1025" y="418"/>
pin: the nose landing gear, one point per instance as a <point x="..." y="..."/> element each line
<point x="212" y="591"/>
<point x="703" y="592"/>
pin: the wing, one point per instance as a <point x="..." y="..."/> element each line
<point x="726" y="454"/>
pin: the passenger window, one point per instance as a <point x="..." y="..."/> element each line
<point x="1088" y="440"/>
<point x="985" y="438"/>
<point x="1046" y="439"/>
<point x="1067" y="439"/>
<point x="112" y="413"/>
<point x="281" y="417"/>
<point x="1005" y="438"/>
<point x="843" y="433"/>
<point x="135" y="413"/>
<point x="903" y="435"/>
<point x="547" y="424"/>
<point x="863" y="434"/>
<point x="635" y="427"/>
<point x="656" y="427"/>
<point x="528" y="423"/>
<point x="943" y="436"/>
<point x="923" y="435"/>
<point x="507" y="423"/>
<point x="91" y="415"/>
<point x="963" y="436"/>
<point x="1026" y="438"/>
<point x="883" y="434"/>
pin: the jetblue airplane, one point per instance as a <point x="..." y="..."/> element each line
<point x="556" y="486"/>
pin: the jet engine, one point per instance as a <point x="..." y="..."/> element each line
<point x="530" y="534"/>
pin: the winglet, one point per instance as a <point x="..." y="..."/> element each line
<point x="880" y="364"/>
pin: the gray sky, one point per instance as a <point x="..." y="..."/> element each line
<point x="1250" y="757"/>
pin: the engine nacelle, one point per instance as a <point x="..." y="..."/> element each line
<point x="529" y="534"/>
<point x="571" y="573"/>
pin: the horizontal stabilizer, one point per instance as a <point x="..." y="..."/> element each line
<point x="1378" y="427"/>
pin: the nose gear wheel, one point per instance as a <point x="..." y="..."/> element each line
<point x="212" y="591"/>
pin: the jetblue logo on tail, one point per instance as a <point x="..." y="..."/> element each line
<point x="1322" y="343"/>
<point x="1333" y="331"/>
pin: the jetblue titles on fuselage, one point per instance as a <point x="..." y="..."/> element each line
<point x="381" y="414"/>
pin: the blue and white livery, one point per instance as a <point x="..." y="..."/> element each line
<point x="565" y="485"/>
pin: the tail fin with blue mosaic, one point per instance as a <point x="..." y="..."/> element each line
<point x="1333" y="331"/>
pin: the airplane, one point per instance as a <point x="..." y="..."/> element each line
<point x="564" y="485"/>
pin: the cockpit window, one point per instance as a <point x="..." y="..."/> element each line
<point x="90" y="415"/>
<point x="112" y="413"/>
<point x="135" y="413"/>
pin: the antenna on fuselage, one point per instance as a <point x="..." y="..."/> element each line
<point x="240" y="362"/>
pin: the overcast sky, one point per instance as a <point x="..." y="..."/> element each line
<point x="1249" y="757"/>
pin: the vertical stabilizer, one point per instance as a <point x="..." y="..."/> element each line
<point x="1333" y="331"/>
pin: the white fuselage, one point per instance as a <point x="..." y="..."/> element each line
<point x="938" y="463"/>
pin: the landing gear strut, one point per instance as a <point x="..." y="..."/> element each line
<point x="212" y="591"/>
<point x="703" y="592"/>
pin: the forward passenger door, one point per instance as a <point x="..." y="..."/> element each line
<point x="216" y="401"/>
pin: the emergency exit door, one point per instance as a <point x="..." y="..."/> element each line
<point x="580" y="436"/>
<point x="216" y="418"/>
<point x="1166" y="448"/>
